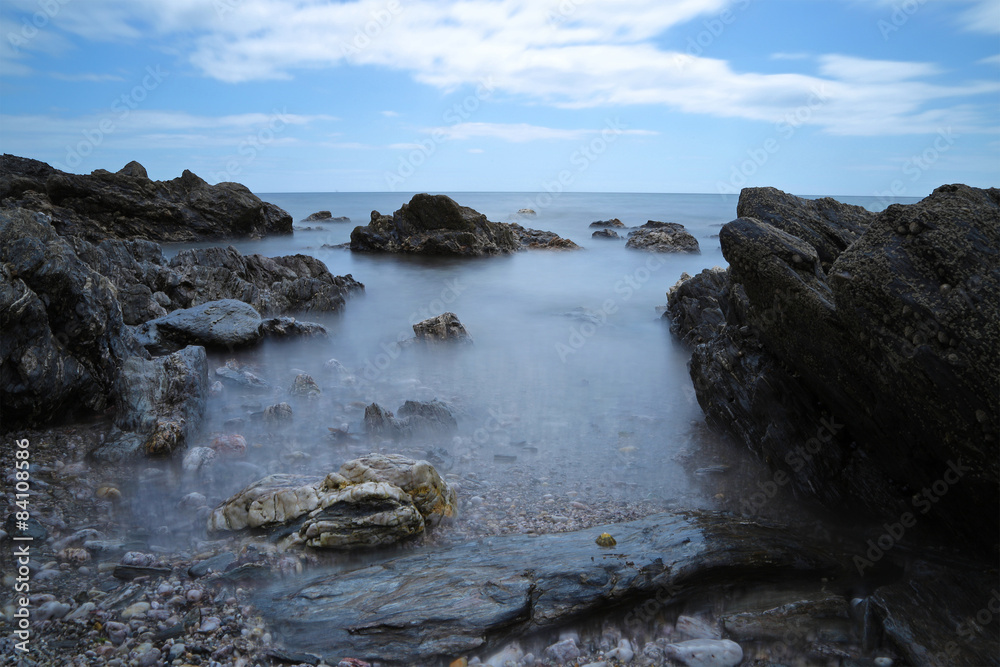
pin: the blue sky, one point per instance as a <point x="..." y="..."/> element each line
<point x="841" y="97"/>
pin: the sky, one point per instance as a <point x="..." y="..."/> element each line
<point x="815" y="97"/>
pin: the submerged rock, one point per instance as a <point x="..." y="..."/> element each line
<point x="605" y="234"/>
<point x="839" y="357"/>
<point x="372" y="501"/>
<point x="662" y="237"/>
<point x="128" y="205"/>
<point x="614" y="222"/>
<point x="443" y="328"/>
<point x="536" y="239"/>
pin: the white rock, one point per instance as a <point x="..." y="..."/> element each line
<point x="210" y="624"/>
<point x="198" y="458"/>
<point x="623" y="652"/>
<point x="883" y="662"/>
<point x="81" y="612"/>
<point x="563" y="651"/>
<point x="706" y="653"/>
<point x="52" y="609"/>
<point x="510" y="653"/>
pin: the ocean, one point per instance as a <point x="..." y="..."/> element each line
<point x="573" y="371"/>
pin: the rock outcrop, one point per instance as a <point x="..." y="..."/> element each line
<point x="604" y="224"/>
<point x="415" y="418"/>
<point x="471" y="597"/>
<point x="373" y="501"/>
<point x="228" y="324"/>
<point x="63" y="336"/>
<point x="605" y="234"/>
<point x="128" y="205"/>
<point x="438" y="225"/>
<point x="662" y="237"/>
<point x="865" y="370"/>
<point x="434" y="225"/>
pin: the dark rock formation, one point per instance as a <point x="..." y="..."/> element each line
<point x="443" y="328"/>
<point x="882" y="366"/>
<point x="434" y="225"/>
<point x="605" y="234"/>
<point x="437" y="225"/>
<point x="289" y="327"/>
<point x="63" y="336"/>
<point x="536" y="239"/>
<point x="695" y="307"/>
<point x="662" y="237"/>
<point x="128" y="205"/>
<point x="445" y="602"/>
<point x="826" y="224"/>
<point x="614" y="222"/>
<point x="415" y="418"/>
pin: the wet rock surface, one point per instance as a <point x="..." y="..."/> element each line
<point x="445" y="328"/>
<point x="605" y="234"/>
<point x="227" y="323"/>
<point x="662" y="237"/>
<point x="536" y="239"/>
<point x="128" y="205"/>
<point x="883" y="359"/>
<point x="457" y="596"/>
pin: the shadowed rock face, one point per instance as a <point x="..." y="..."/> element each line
<point x="662" y="237"/>
<point x="128" y="205"/>
<point x="882" y="355"/>
<point x="446" y="602"/>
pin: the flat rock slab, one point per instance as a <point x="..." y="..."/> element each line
<point x="445" y="602"/>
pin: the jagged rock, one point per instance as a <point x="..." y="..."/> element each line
<point x="513" y="584"/>
<point x="325" y="216"/>
<point x="304" y="386"/>
<point x="443" y="328"/>
<point x="827" y="225"/>
<point x="605" y="234"/>
<point x="272" y="285"/>
<point x="228" y="324"/>
<point x="379" y="421"/>
<point x="279" y="413"/>
<point x="289" y="327"/>
<point x="373" y="501"/>
<point x="695" y="305"/>
<point x="536" y="239"/>
<point x="614" y="222"/>
<point x="662" y="237"/>
<point x="435" y="225"/>
<point x="128" y="205"/>
<point x="162" y="400"/>
<point x="841" y="359"/>
<point x="526" y="211"/>
<point x="63" y="335"/>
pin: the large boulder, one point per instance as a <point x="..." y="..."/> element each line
<point x="63" y="338"/>
<point x="373" y="501"/>
<point x="872" y="384"/>
<point x="228" y="324"/>
<point x="662" y="237"/>
<point x="444" y="328"/>
<point x="434" y="225"/>
<point x="128" y="205"/>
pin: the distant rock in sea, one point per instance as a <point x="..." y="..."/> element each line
<point x="325" y="216"/>
<point x="662" y="237"/>
<point x="128" y="205"/>
<point x="438" y="225"/>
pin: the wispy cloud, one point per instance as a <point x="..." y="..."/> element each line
<point x="518" y="132"/>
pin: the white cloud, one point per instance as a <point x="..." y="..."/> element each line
<point x="87" y="78"/>
<point x="992" y="60"/>
<point x="594" y="54"/>
<point x="390" y="114"/>
<point x="476" y="151"/>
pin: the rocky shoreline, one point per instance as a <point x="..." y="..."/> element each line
<point x="853" y="352"/>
